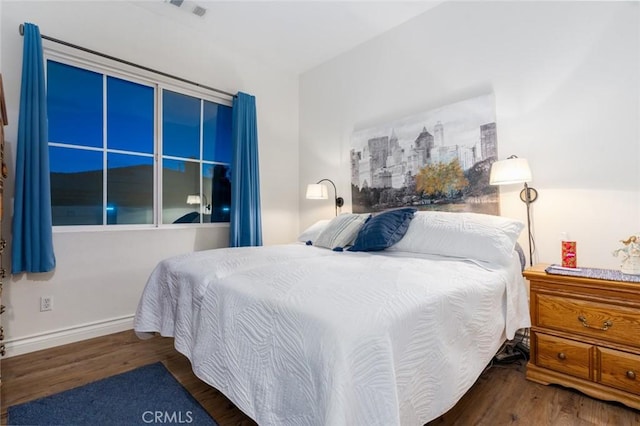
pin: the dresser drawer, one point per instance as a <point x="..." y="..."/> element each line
<point x="619" y="370"/>
<point x="603" y="321"/>
<point x="563" y="355"/>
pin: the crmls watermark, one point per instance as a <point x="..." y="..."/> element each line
<point x="172" y="417"/>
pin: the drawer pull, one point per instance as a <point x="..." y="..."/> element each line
<point x="605" y="325"/>
<point x="2" y="351"/>
<point x="631" y="375"/>
<point x="2" y="308"/>
<point x="562" y="356"/>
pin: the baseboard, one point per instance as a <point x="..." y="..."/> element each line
<point x="50" y="339"/>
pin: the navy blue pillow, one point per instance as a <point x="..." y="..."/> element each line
<point x="383" y="230"/>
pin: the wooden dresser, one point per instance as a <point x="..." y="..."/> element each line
<point x="585" y="334"/>
<point x="3" y="175"/>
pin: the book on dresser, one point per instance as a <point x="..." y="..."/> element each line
<point x="585" y="334"/>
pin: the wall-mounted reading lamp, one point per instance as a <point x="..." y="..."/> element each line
<point x="511" y="171"/>
<point x="318" y="191"/>
<point x="195" y="199"/>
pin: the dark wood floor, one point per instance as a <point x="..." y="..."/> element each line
<point x="501" y="396"/>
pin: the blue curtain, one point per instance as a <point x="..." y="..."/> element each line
<point x="245" y="228"/>
<point x="32" y="247"/>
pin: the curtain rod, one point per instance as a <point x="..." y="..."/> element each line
<point x="113" y="58"/>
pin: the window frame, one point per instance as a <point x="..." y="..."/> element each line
<point x="108" y="68"/>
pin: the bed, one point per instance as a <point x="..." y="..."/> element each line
<point x="313" y="334"/>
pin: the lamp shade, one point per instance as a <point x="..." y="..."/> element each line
<point x="509" y="171"/>
<point x="317" y="191"/>
<point x="193" y="199"/>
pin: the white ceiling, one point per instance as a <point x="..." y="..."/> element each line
<point x="293" y="35"/>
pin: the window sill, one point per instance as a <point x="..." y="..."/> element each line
<point x="129" y="228"/>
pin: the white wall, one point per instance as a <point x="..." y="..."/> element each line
<point x="100" y="275"/>
<point x="565" y="77"/>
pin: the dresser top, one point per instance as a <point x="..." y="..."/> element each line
<point x="587" y="277"/>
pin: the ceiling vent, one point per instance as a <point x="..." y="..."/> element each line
<point x="200" y="11"/>
<point x="176" y="2"/>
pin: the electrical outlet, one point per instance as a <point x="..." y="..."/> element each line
<point x="46" y="303"/>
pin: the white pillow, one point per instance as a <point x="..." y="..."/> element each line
<point x="312" y="232"/>
<point x="341" y="231"/>
<point x="483" y="237"/>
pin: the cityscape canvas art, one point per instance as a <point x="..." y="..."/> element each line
<point x="436" y="160"/>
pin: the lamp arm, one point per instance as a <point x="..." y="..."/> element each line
<point x="528" y="195"/>
<point x="335" y="191"/>
<point x="339" y="200"/>
<point x="207" y="206"/>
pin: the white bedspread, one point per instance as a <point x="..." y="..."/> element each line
<point x="299" y="335"/>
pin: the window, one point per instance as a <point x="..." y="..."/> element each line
<point x="195" y="158"/>
<point x="103" y="144"/>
